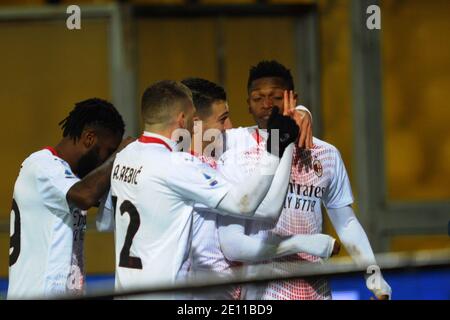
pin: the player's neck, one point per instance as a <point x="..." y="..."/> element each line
<point x="68" y="152"/>
<point x="261" y="124"/>
<point x="161" y="130"/>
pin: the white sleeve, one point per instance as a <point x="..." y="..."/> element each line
<point x="272" y="204"/>
<point x="53" y="184"/>
<point x="355" y="240"/>
<point x="236" y="246"/>
<point x="339" y="192"/>
<point x="194" y="180"/>
<point x="105" y="215"/>
<point x="269" y="208"/>
<point x="244" y="198"/>
<point x="199" y="182"/>
<point x="352" y="235"/>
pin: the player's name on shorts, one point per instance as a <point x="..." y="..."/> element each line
<point x="126" y="174"/>
<point x="306" y="190"/>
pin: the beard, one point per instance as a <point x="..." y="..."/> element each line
<point x="88" y="162"/>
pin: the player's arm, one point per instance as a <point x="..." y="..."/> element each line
<point x="272" y="204"/>
<point x="87" y="192"/>
<point x="354" y="238"/>
<point x="240" y="199"/>
<point x="338" y="200"/>
<point x="237" y="246"/>
<point x="269" y="208"/>
<point x="105" y="215"/>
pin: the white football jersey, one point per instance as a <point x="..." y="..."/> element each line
<point x="206" y="257"/>
<point x="46" y="250"/>
<point x="317" y="178"/>
<point x="153" y="192"/>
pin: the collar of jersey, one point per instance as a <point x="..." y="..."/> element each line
<point x="172" y="144"/>
<point x="258" y="134"/>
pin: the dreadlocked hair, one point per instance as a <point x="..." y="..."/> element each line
<point x="93" y="112"/>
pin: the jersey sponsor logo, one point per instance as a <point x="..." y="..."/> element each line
<point x="126" y="174"/>
<point x="306" y="190"/>
<point x="300" y="204"/>
<point x="317" y="166"/>
<point x="297" y="193"/>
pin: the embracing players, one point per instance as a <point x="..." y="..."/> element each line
<point x="209" y="239"/>
<point x="155" y="187"/>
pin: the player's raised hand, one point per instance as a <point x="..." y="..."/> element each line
<point x="288" y="131"/>
<point x="302" y="118"/>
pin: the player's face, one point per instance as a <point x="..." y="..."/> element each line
<point x="105" y="144"/>
<point x="216" y="122"/>
<point x="264" y="94"/>
<point x="219" y="118"/>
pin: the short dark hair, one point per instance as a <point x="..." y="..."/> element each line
<point x="92" y="112"/>
<point x="204" y="94"/>
<point x="159" y="100"/>
<point x="270" y="69"/>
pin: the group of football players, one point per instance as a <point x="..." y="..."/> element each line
<point x="184" y="202"/>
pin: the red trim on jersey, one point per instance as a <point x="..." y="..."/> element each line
<point x="146" y="139"/>
<point x="53" y="151"/>
<point x="257" y="136"/>
<point x="208" y="160"/>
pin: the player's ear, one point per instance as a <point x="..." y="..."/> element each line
<point x="89" y="138"/>
<point x="181" y="120"/>
<point x="295" y="95"/>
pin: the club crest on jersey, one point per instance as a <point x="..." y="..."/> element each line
<point x="318" y="169"/>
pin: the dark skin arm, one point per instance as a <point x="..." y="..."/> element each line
<point x="87" y="192"/>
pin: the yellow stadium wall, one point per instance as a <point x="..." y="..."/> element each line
<point x="46" y="68"/>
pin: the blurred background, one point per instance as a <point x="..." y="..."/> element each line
<point x="380" y="96"/>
